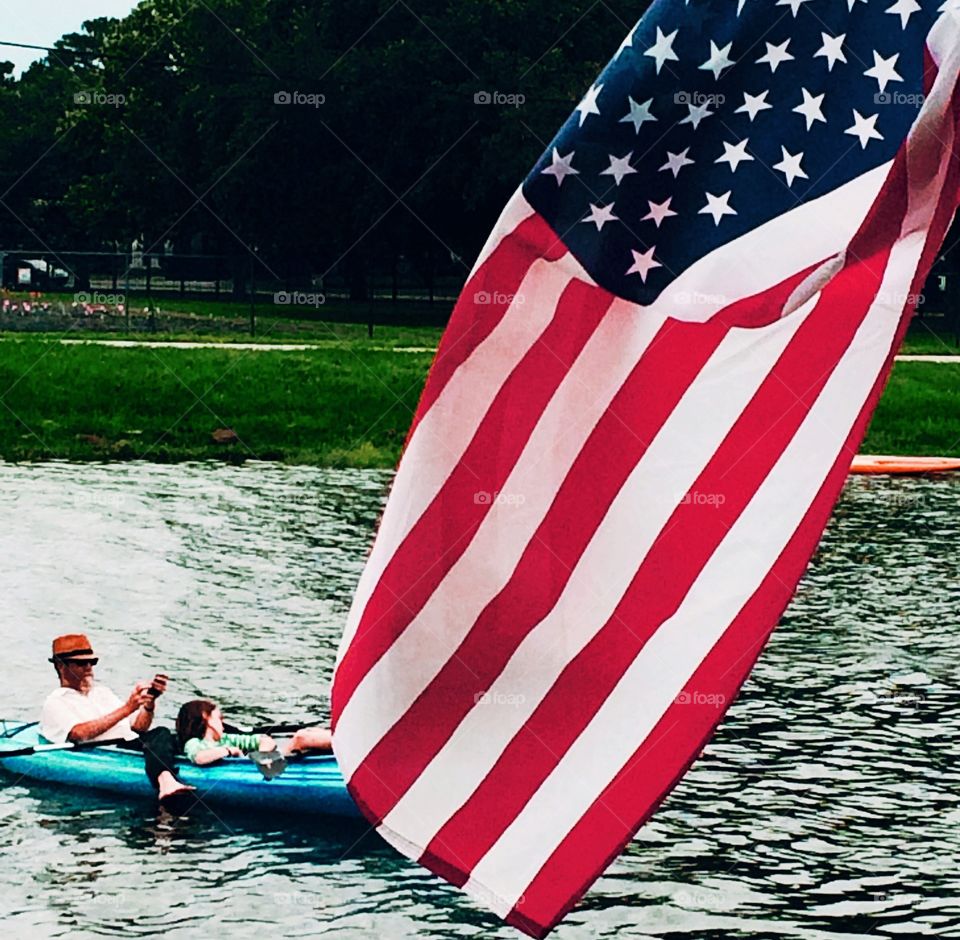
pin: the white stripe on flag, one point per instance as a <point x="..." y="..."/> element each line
<point x="485" y="567"/>
<point x="675" y="459"/>
<point x="517" y="210"/>
<point x="755" y="262"/>
<point x="676" y="650"/>
<point x="445" y="432"/>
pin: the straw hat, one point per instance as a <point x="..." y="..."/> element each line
<point x="71" y="648"/>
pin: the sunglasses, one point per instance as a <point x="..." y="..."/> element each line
<point x="79" y="662"/>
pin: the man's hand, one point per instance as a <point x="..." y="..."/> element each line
<point x="138" y="698"/>
<point x="267" y="743"/>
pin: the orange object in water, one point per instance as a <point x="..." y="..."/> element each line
<point x="870" y="463"/>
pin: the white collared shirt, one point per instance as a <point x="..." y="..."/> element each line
<point x="66" y="708"/>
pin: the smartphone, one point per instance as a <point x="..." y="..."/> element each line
<point x="155" y="692"/>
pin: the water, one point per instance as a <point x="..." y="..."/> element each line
<point x="828" y="805"/>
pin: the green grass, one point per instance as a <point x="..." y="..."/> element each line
<point x="919" y="413"/>
<point x="344" y="405"/>
<point x="337" y="407"/>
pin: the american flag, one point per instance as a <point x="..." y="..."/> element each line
<point x="635" y="429"/>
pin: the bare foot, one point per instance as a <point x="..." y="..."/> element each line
<point x="168" y="786"/>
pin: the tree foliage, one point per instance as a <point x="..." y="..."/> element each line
<point x="166" y="125"/>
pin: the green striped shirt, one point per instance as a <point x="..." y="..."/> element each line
<point x="246" y="743"/>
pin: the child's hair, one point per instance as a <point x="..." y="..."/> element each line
<point x="192" y="719"/>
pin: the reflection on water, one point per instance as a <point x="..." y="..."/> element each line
<point x="827" y="806"/>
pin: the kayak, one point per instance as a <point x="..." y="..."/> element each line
<point x="310" y="785"/>
<point x="869" y="463"/>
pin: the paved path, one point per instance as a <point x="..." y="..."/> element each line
<point x="256" y="347"/>
<point x="326" y="344"/>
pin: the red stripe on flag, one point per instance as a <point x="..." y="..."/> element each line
<point x="621" y="437"/>
<point x="671" y="747"/>
<point x="681" y="550"/>
<point x="445" y="529"/>
<point x="499" y="278"/>
<point x="654" y="769"/>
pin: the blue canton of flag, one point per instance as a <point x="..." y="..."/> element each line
<point x="715" y="117"/>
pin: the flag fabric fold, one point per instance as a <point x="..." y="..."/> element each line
<point x="637" y="424"/>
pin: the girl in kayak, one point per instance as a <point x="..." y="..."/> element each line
<point x="204" y="740"/>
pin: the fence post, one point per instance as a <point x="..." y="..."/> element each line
<point x="253" y="301"/>
<point x="126" y="294"/>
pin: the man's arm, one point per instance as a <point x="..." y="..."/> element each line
<point x="88" y="730"/>
<point x="144" y="717"/>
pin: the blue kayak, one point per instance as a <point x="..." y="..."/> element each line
<point x="310" y="785"/>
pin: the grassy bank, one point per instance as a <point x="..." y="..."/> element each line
<point x="344" y="404"/>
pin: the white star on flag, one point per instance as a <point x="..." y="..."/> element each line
<point x="627" y="43"/>
<point x="832" y="49"/>
<point x="753" y="104"/>
<point x="561" y="167"/>
<point x="793" y="4"/>
<point x="600" y="215"/>
<point x="905" y="9"/>
<point x="619" y="167"/>
<point x="677" y="161"/>
<point x="790" y="166"/>
<point x="883" y="70"/>
<point x="811" y="108"/>
<point x="659" y="211"/>
<point x="638" y="114"/>
<point x="718" y="206"/>
<point x="643" y="263"/>
<point x="864" y="128"/>
<point x="588" y="105"/>
<point x="662" y="49"/>
<point x="697" y="113"/>
<point x="775" y="55"/>
<point x="734" y="154"/>
<point x="719" y="60"/>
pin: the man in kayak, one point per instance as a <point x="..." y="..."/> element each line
<point x="84" y="710"/>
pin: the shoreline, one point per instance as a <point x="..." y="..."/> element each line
<point x="344" y="404"/>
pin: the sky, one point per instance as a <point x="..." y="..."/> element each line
<point x="42" y="22"/>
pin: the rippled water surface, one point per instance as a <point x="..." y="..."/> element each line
<point x="828" y="805"/>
